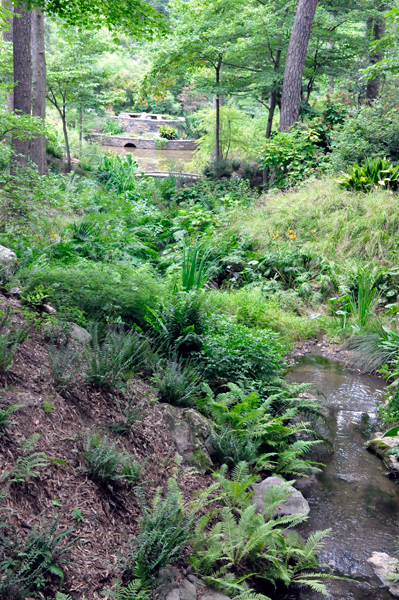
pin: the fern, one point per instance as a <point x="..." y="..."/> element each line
<point x="135" y="590"/>
<point x="104" y="461"/>
<point x="5" y="415"/>
<point x="27" y="563"/>
<point x="26" y="466"/>
<point x="62" y="361"/>
<point x="107" y="360"/>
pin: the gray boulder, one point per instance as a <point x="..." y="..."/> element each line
<point x="188" y="432"/>
<point x="294" y="505"/>
<point x="171" y="585"/>
<point x="386" y="568"/>
<point x="79" y="334"/>
<point x="8" y="261"/>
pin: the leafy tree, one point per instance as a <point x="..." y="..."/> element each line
<point x="72" y="75"/>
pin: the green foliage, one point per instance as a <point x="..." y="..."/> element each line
<point x="176" y="381"/>
<point x="360" y="302"/>
<point x="135" y="590"/>
<point x="132" y="414"/>
<point x="242" y="543"/>
<point x="118" y="172"/>
<point x="37" y="297"/>
<point x="234" y="352"/>
<point x="11" y="338"/>
<point x="193" y="274"/>
<point x="5" y="415"/>
<point x="27" y="563"/>
<point x="62" y="361"/>
<point x="370" y="132"/>
<point x="373" y="173"/>
<point x="26" y="466"/>
<point x="108" y="359"/>
<point x="246" y="431"/>
<point x="104" y="461"/>
<point x="77" y="515"/>
<point x="113" y="127"/>
<point x="101" y="293"/>
<point x="167" y="132"/>
<point x="165" y="530"/>
<point x="179" y="324"/>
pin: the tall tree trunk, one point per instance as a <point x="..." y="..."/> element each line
<point x="375" y="31"/>
<point x="217" y="108"/>
<point x="22" y="77"/>
<point x="8" y="37"/>
<point x="67" y="149"/>
<point x="38" y="144"/>
<point x="295" y="61"/>
<point x="80" y="127"/>
<point x="272" y="109"/>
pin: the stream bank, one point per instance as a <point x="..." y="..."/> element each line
<point x="352" y="496"/>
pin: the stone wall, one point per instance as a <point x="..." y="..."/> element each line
<point x="129" y="142"/>
<point x="145" y="123"/>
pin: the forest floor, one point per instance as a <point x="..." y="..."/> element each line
<point x="109" y="514"/>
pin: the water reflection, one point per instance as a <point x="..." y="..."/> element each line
<point x="352" y="496"/>
<point x="157" y="160"/>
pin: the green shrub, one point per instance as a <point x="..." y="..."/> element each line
<point x="179" y="324"/>
<point x="100" y="292"/>
<point x="167" y="132"/>
<point x="293" y="155"/>
<point x="113" y="127"/>
<point x="233" y="541"/>
<point x="176" y="381"/>
<point x="62" y="361"/>
<point x="132" y="414"/>
<point x="104" y="461"/>
<point x="118" y="172"/>
<point x="374" y="172"/>
<point x="28" y="563"/>
<point x="372" y="131"/>
<point x="108" y="359"/>
<point x="234" y="352"/>
<point x="11" y="338"/>
<point x="135" y="590"/>
<point x="165" y="530"/>
<point x="5" y="415"/>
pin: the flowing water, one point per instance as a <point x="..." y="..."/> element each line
<point x="157" y="160"/>
<point x="352" y="495"/>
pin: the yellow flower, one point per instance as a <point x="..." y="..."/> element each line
<point x="293" y="236"/>
<point x="313" y="230"/>
<point x="290" y="230"/>
<point x="275" y="236"/>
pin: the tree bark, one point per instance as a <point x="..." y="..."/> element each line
<point x="38" y="144"/>
<point x="22" y="77"/>
<point x="375" y="31"/>
<point x="9" y="37"/>
<point x="295" y="62"/>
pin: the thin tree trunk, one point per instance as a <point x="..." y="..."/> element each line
<point x="295" y="62"/>
<point x="8" y="37"/>
<point x="67" y="150"/>
<point x="38" y="144"/>
<point x="22" y="77"/>
<point x="80" y="127"/>
<point x="218" y="103"/>
<point x="272" y="109"/>
<point x="375" y="31"/>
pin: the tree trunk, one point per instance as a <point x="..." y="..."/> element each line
<point x="22" y="77"/>
<point x="295" y="61"/>
<point x="375" y="31"/>
<point x="217" y="103"/>
<point x="67" y="150"/>
<point x="8" y="37"/>
<point x="80" y="127"/>
<point x="38" y="144"/>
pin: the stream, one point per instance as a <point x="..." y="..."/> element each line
<point x="157" y="160"/>
<point x="352" y="495"/>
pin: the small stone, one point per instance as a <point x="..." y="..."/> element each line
<point x="15" y="291"/>
<point x="384" y="567"/>
<point x="294" y="505"/>
<point x="8" y="261"/>
<point x="79" y="334"/>
<point x="47" y="308"/>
